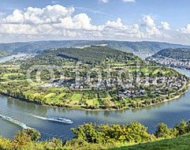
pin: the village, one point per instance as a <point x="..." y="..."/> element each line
<point x="171" y="62"/>
<point x="137" y="87"/>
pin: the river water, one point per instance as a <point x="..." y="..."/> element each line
<point x="11" y="57"/>
<point x="171" y="112"/>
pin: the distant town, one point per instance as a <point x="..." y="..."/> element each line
<point x="183" y="63"/>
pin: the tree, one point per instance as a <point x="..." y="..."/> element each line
<point x="21" y="139"/>
<point x="163" y="131"/>
<point x="88" y="132"/>
<point x="56" y="143"/>
<point x="137" y="132"/>
<point x="24" y="137"/>
<point x="181" y="127"/>
<point x="33" y="134"/>
<point x="5" y="144"/>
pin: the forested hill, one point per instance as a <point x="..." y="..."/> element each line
<point x="89" y="55"/>
<point x="3" y="53"/>
<point x="38" y="46"/>
<point x="178" y="53"/>
<point x="93" y="54"/>
<point x="144" y="46"/>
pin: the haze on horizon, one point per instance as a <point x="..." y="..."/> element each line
<point x="125" y="20"/>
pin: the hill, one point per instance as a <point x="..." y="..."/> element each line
<point x="178" y="57"/>
<point x="4" y="53"/>
<point x="144" y="47"/>
<point x="91" y="78"/>
<point x="178" y="143"/>
<point x="178" y="53"/>
<point x="89" y="55"/>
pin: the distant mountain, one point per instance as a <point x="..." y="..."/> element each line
<point x="178" y="57"/>
<point x="143" y="49"/>
<point x="4" y="53"/>
<point x="144" y="46"/>
<point x="138" y="48"/>
<point x="177" y="53"/>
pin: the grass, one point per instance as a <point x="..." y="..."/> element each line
<point x="95" y="101"/>
<point x="179" y="143"/>
<point x="50" y="98"/>
<point x="55" y="89"/>
<point x="119" y="64"/>
<point x="145" y="70"/>
<point x="92" y="102"/>
<point x="60" y="96"/>
<point x="12" y="74"/>
<point x="75" y="98"/>
<point x="50" y="95"/>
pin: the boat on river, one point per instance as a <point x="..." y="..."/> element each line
<point x="60" y="120"/>
<point x="55" y="119"/>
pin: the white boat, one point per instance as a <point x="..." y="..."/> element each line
<point x="61" y="120"/>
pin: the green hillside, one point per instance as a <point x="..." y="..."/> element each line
<point x="178" y="53"/>
<point x="3" y="53"/>
<point x="178" y="143"/>
<point x="127" y="46"/>
<point x="144" y="46"/>
<point x="89" y="55"/>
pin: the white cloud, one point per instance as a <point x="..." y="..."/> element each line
<point x="16" y="17"/>
<point x="59" y="22"/>
<point x="53" y="20"/>
<point x="115" y="24"/>
<point x="150" y="26"/>
<point x="148" y="21"/>
<point x="185" y="30"/>
<point x="49" y="14"/>
<point x="165" y="25"/>
<point x="183" y="35"/>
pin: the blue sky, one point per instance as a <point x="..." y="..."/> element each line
<point x="130" y="20"/>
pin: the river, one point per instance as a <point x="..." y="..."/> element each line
<point x="12" y="57"/>
<point x="171" y="112"/>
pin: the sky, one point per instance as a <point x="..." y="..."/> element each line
<point x="122" y="20"/>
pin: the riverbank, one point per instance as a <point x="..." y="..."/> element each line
<point x="139" y="105"/>
<point x="173" y="98"/>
